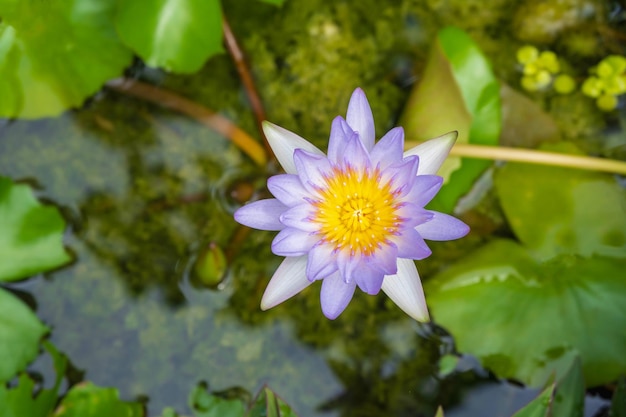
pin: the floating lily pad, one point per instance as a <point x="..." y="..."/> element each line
<point x="89" y="400"/>
<point x="178" y="35"/>
<point x="22" y="400"/>
<point x="526" y="309"/>
<point x="31" y="238"/>
<point x="54" y="54"/>
<point x="558" y="210"/>
<point x="20" y="333"/>
<point x="458" y="91"/>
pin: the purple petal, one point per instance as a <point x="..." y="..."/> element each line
<point x="335" y="295"/>
<point x="413" y="215"/>
<point x="288" y="189"/>
<point x="368" y="279"/>
<point x="284" y="143"/>
<point x="384" y="259"/>
<point x="262" y="214"/>
<point x="433" y="153"/>
<point x="288" y="280"/>
<point x="401" y="175"/>
<point x="339" y="134"/>
<point x="355" y="154"/>
<point x="346" y="262"/>
<point x="424" y="189"/>
<point x="294" y="242"/>
<point x="405" y="289"/>
<point x="360" y="118"/>
<point x="300" y="217"/>
<point x="442" y="227"/>
<point x="312" y="169"/>
<point x="389" y="149"/>
<point x="321" y="262"/>
<point x="410" y="245"/>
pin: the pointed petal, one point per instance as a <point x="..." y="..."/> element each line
<point x="405" y="289"/>
<point x="412" y="214"/>
<point x="432" y="153"/>
<point x="424" y="189"/>
<point x="300" y="217"/>
<point x="288" y="280"/>
<point x="442" y="227"/>
<point x="288" y="189"/>
<point x="401" y="175"/>
<point x="410" y="245"/>
<point x="335" y="295"/>
<point x="355" y="154"/>
<point x="262" y="214"/>
<point x="339" y="134"/>
<point x="360" y="118"/>
<point x="368" y="279"/>
<point x="294" y="242"/>
<point x="385" y="259"/>
<point x="389" y="149"/>
<point x="284" y="143"/>
<point x="312" y="169"/>
<point x="321" y="262"/>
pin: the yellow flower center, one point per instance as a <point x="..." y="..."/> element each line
<point x="356" y="212"/>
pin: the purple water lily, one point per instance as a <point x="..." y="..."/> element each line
<point x="354" y="217"/>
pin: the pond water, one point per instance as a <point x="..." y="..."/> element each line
<point x="146" y="191"/>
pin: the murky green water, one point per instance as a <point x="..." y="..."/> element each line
<point x="145" y="190"/>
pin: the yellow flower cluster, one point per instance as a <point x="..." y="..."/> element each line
<point x="607" y="82"/>
<point x="541" y="69"/>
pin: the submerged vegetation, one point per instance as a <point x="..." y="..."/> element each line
<point x="118" y="245"/>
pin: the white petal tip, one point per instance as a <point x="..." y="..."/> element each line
<point x="433" y="152"/>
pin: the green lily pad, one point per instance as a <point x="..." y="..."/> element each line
<point x="178" y="35"/>
<point x="54" y="54"/>
<point x="20" y="333"/>
<point x="21" y="401"/>
<point x="31" y="238"/>
<point x="557" y="210"/>
<point x="458" y="91"/>
<point x="89" y="400"/>
<point x="205" y="404"/>
<point x="524" y="318"/>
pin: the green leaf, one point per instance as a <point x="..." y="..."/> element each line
<point x="88" y="400"/>
<point x="540" y="406"/>
<point x="205" y="404"/>
<point x="20" y="332"/>
<point x="618" y="405"/>
<point x="525" y="318"/>
<point x="458" y="91"/>
<point x="178" y="35"/>
<point x="21" y="401"/>
<point x="274" y="2"/>
<point x="267" y="404"/>
<point x="54" y="54"/>
<point x="31" y="238"/>
<point x="439" y="412"/>
<point x="557" y="210"/>
<point x="569" y="400"/>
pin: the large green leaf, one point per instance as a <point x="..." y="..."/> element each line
<point x="569" y="400"/>
<point x="524" y="318"/>
<point x="458" y="91"/>
<point x="88" y="400"/>
<point x="557" y="210"/>
<point x="21" y="400"/>
<point x="31" y="237"/>
<point x="178" y="35"/>
<point x="20" y="332"/>
<point x="55" y="53"/>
